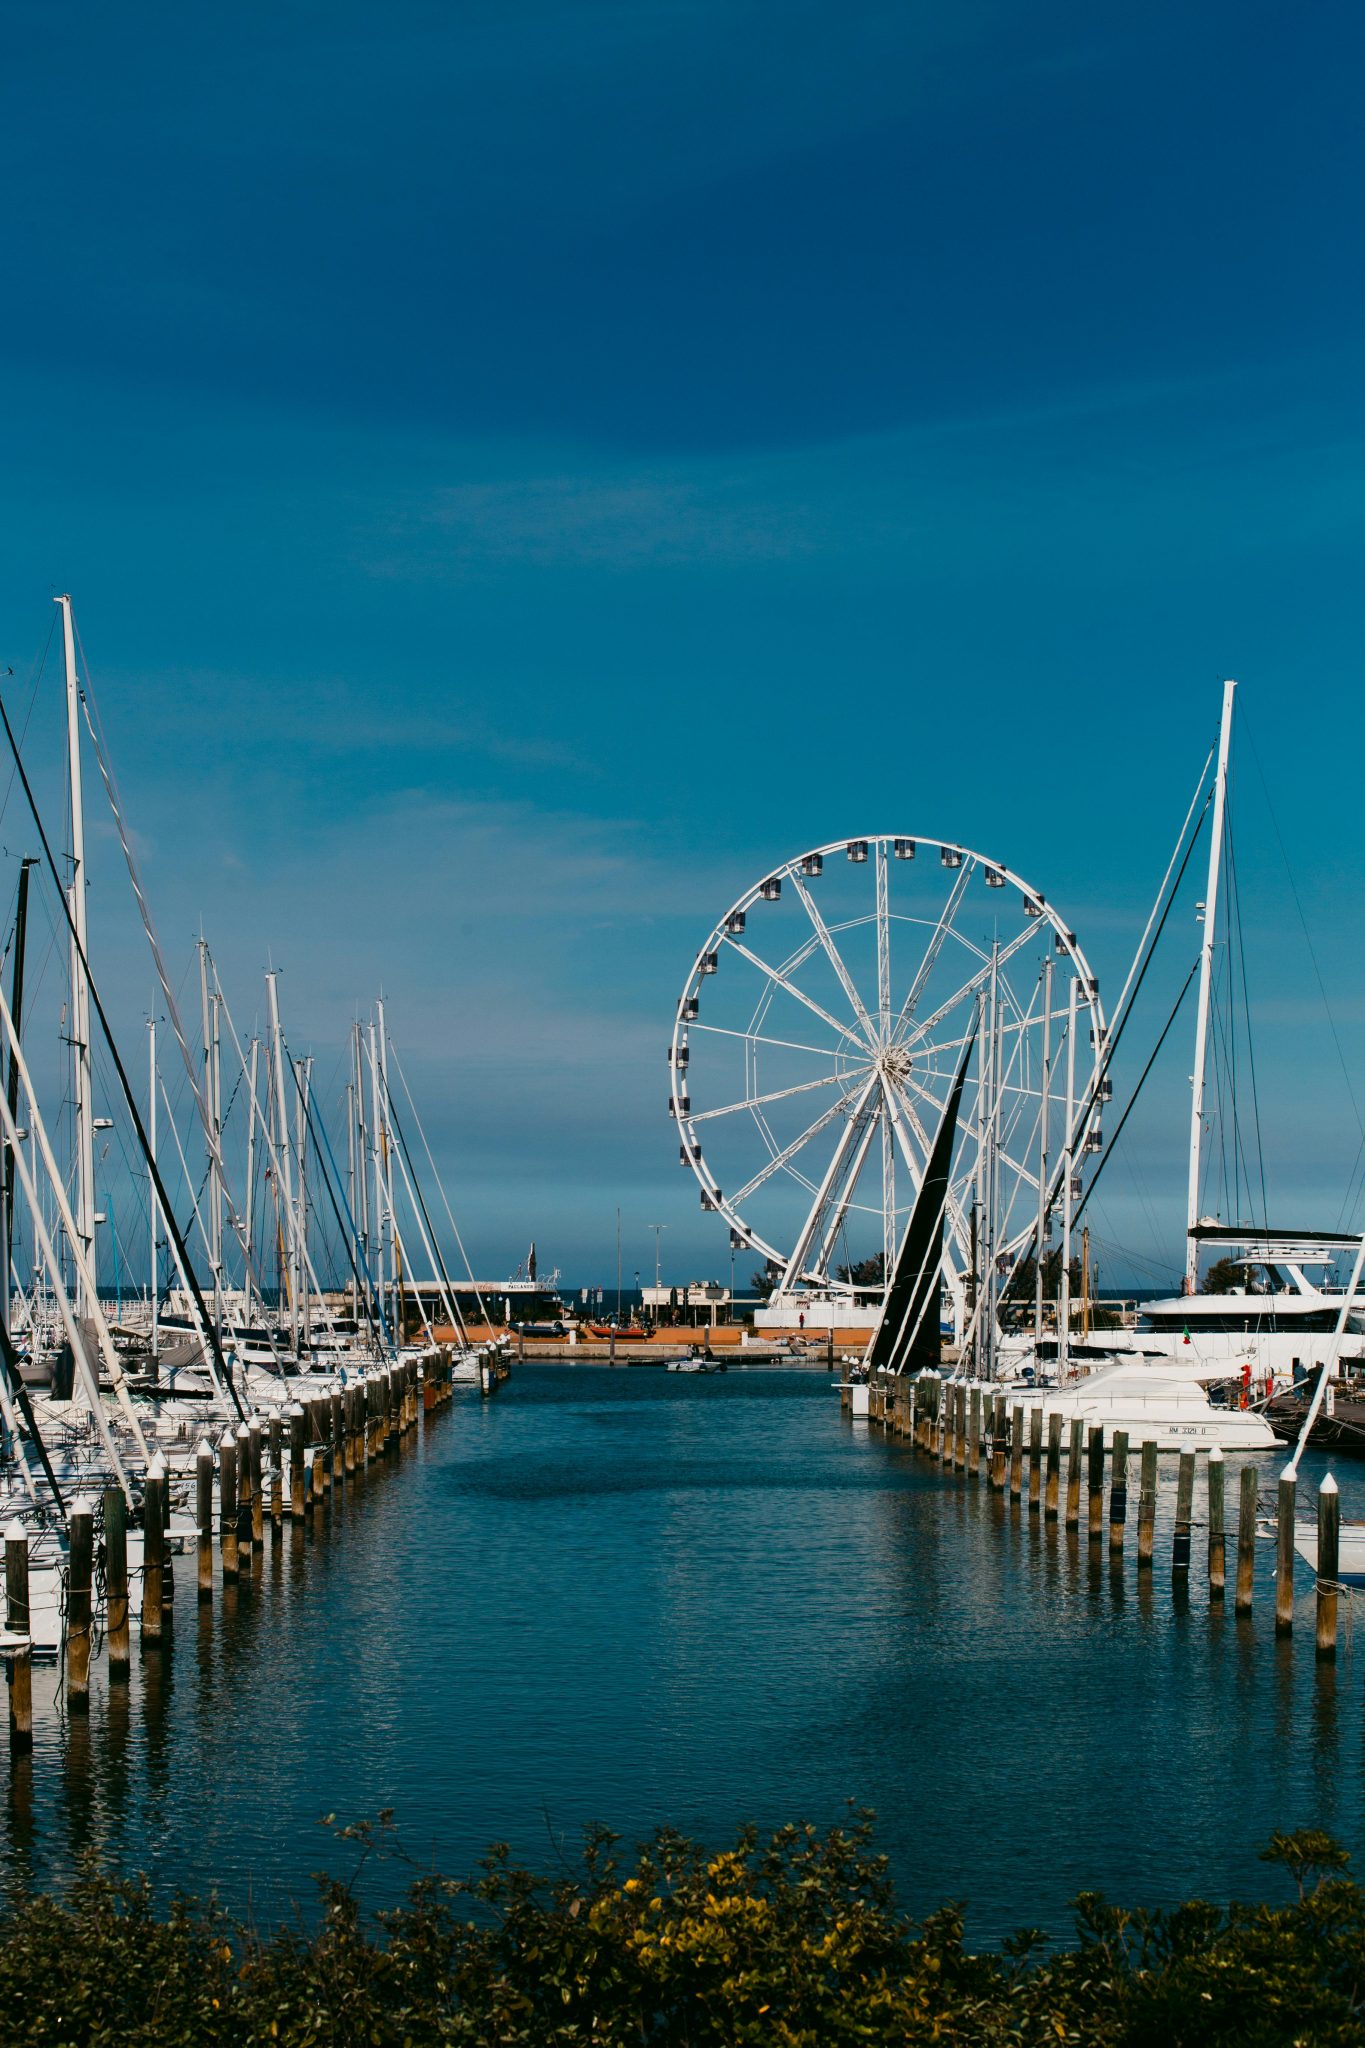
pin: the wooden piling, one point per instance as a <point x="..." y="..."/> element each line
<point x="255" y="1434"/>
<point x="1054" y="1466"/>
<point x="1284" y="1562"/>
<point x="318" y="1470"/>
<point x="1217" y="1478"/>
<point x="1017" y="1451"/>
<point x="1118" y="1492"/>
<point x="243" y="1492"/>
<point x="154" y="1549"/>
<point x="227" y="1503"/>
<point x="1329" y="1564"/>
<point x="276" y="1473"/>
<point x="17" y="1623"/>
<point x="1035" y="1459"/>
<point x="1073" y="1474"/>
<point x="348" y="1394"/>
<point x="1094" y="1473"/>
<point x="298" y="1437"/>
<point x="1147" y="1505"/>
<point x="974" y="1434"/>
<point x="203" y="1515"/>
<point x="116" y="1581"/>
<point x="1184" y="1509"/>
<point x="1246" y="1540"/>
<point x="80" y="1565"/>
<point x="338" y="1436"/>
<point x="999" y="1441"/>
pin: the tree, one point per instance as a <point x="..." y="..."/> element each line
<point x="1226" y="1276"/>
<point x="865" y="1272"/>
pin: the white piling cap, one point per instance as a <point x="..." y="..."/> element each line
<point x="1329" y="1485"/>
<point x="15" y="1532"/>
<point x="203" y="1448"/>
<point x="242" y="1431"/>
<point x="83" y="1506"/>
<point x="157" y="1468"/>
<point x="1216" y="1452"/>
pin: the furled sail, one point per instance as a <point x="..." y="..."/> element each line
<point x="907" y="1337"/>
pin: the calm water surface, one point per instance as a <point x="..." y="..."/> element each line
<point x="631" y="1597"/>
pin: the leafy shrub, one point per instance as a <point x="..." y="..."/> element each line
<point x="792" y="1939"/>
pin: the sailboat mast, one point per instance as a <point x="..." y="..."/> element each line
<point x="285" y="1193"/>
<point x="1201" y="1029"/>
<point x="151" y="1179"/>
<point x="17" y="1012"/>
<point x="1043" y="1175"/>
<point x="1069" y="1165"/>
<point x="80" y="986"/>
<point x="249" y="1211"/>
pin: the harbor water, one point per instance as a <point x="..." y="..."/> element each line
<point x="631" y="1597"/>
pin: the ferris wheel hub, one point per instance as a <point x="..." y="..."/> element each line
<point x="894" y="1063"/>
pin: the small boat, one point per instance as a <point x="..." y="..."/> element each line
<point x="706" y="1364"/>
<point x="1350" y="1554"/>
<point x="626" y="1333"/>
<point x="1175" y="1414"/>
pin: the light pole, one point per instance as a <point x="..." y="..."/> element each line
<point x="658" y="1229"/>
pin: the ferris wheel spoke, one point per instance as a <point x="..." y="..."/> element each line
<point x="790" y="1151"/>
<point x="835" y="958"/>
<point x="935" y="946"/>
<point x="903" y="1115"/>
<point x="883" y="947"/>
<point x="969" y="988"/>
<point x="824" y="1052"/>
<point x="776" y="974"/>
<point x="751" y="1102"/>
<point x="848" y="1139"/>
<point x="841" y="1206"/>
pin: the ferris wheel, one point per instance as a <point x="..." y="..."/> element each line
<point x="818" y="1034"/>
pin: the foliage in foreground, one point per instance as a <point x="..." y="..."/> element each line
<point x="791" y="1939"/>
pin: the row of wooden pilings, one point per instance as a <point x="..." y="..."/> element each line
<point x="273" y="1468"/>
<point x="975" y="1431"/>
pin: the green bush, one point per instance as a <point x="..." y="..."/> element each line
<point x="793" y="1939"/>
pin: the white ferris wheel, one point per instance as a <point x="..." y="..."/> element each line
<point x="816" y="1040"/>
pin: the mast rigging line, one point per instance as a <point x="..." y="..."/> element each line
<point x="115" y="1054"/>
<point x="348" y="1235"/>
<point x="1079" y="1210"/>
<point x="445" y="1203"/>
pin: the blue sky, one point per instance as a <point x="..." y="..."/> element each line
<point x="523" y="469"/>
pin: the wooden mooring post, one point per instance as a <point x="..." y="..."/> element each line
<point x="1035" y="1459"/>
<point x="257" y="1488"/>
<point x="1118" y="1493"/>
<point x="298" y="1438"/>
<point x="1054" y="1466"/>
<point x="1017" y="1451"/>
<point x="1094" y="1483"/>
<point x="1147" y="1505"/>
<point x="1184" y="1509"/>
<point x="1329" y="1564"/>
<point x="1073" y="1474"/>
<point x="1217" y="1489"/>
<point x="227" y="1503"/>
<point x="338" y="1436"/>
<point x="80" y="1567"/>
<point x="1246" y="1541"/>
<point x="999" y="1442"/>
<point x="154" y="1550"/>
<point x="17" y="1623"/>
<point x="243" y="1493"/>
<point x="203" y="1515"/>
<point x="1284" y="1558"/>
<point x="276" y="1474"/>
<point x="116" y="1582"/>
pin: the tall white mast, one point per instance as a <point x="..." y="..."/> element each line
<point x="80" y="987"/>
<point x="284" y="1194"/>
<point x="152" y="1205"/>
<point x="1068" y="1191"/>
<point x="1201" y="1029"/>
<point x="395" y="1243"/>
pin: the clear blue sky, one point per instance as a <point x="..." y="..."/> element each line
<point x="524" y="468"/>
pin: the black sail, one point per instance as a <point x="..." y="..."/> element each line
<point x="907" y="1337"/>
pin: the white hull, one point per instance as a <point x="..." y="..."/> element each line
<point x="1174" y="1414"/>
